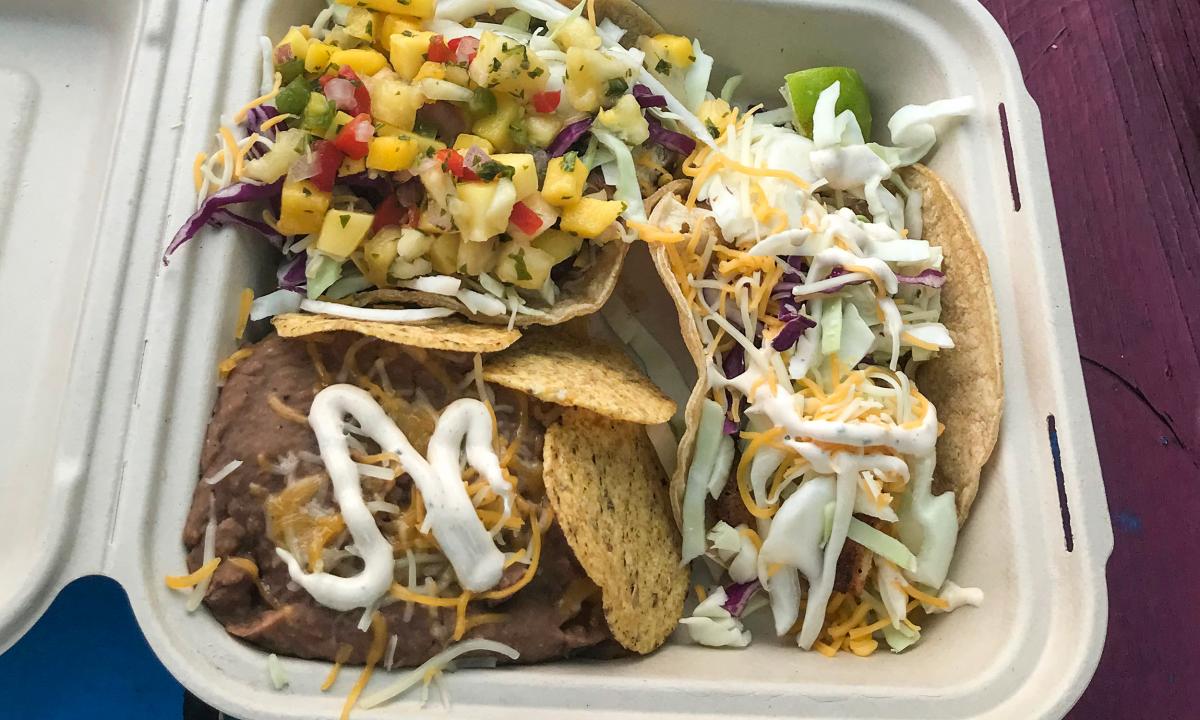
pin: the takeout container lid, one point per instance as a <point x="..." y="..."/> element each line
<point x="109" y="360"/>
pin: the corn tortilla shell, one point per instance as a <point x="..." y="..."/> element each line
<point x="610" y="498"/>
<point x="965" y="384"/>
<point x="442" y="334"/>
<point x="567" y="370"/>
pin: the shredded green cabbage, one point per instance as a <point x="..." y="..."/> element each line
<point x="627" y="190"/>
<point x="882" y="544"/>
<point x="708" y="440"/>
<point x="831" y="326"/>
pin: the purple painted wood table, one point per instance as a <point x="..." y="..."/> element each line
<point x="1118" y="84"/>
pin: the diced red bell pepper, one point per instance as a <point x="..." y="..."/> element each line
<point x="354" y="139"/>
<point x="391" y="212"/>
<point x="545" y="102"/>
<point x="464" y="49"/>
<point x="526" y="220"/>
<point x="362" y="96"/>
<point x="452" y="163"/>
<point x="438" y="51"/>
<point x="328" y="159"/>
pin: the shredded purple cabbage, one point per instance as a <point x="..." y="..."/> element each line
<point x="646" y="97"/>
<point x="730" y="427"/>
<point x="928" y="277"/>
<point x="738" y="595"/>
<point x="374" y="188"/>
<point x="734" y="362"/>
<point x="670" y="139"/>
<point x="231" y="195"/>
<point x="568" y="136"/>
<point x="291" y="275"/>
<point x="254" y="121"/>
<point x="794" y="325"/>
<point x="272" y="235"/>
<point x="447" y="119"/>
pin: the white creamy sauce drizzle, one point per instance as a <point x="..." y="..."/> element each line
<point x="476" y="560"/>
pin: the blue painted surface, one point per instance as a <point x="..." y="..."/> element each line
<point x="86" y="658"/>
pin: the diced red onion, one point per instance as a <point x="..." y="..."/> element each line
<point x="340" y="92"/>
<point x="568" y="136"/>
<point x="928" y="277"/>
<point x="475" y="157"/>
<point x="230" y="195"/>
<point x="283" y="53"/>
<point x="670" y="139"/>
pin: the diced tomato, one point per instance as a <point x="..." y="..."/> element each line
<point x="526" y="220"/>
<point x="452" y="163"/>
<point x="439" y="52"/>
<point x="391" y="212"/>
<point x="354" y="139"/>
<point x="328" y="159"/>
<point x="464" y="49"/>
<point x="545" y="102"/>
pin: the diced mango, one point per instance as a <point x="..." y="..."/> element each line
<point x="342" y="232"/>
<point x="466" y="141"/>
<point x="318" y="57"/>
<point x="565" y="178"/>
<point x="389" y="25"/>
<point x="379" y="252"/>
<point x="558" y="244"/>
<point x="666" y="54"/>
<point x="443" y="253"/>
<point x="481" y="209"/>
<point x="408" y="50"/>
<point x="457" y="74"/>
<point x="362" y="60"/>
<point x="540" y="130"/>
<point x="390" y="154"/>
<point x="350" y="166"/>
<point x="430" y="71"/>
<point x="475" y="258"/>
<point x="297" y="39"/>
<point x="589" y="217"/>
<point x="594" y="79"/>
<point x="497" y="127"/>
<point x="302" y="208"/>
<point x="524" y="178"/>
<point x="523" y="265"/>
<point x="574" y="31"/>
<point x="414" y="8"/>
<point x="507" y="65"/>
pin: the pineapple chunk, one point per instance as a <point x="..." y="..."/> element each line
<point x="342" y="232"/>
<point x="590" y="217"/>
<point x="361" y="23"/>
<point x="363" y="61"/>
<point x="626" y="121"/>
<point x="558" y="244"/>
<point x="507" y="65"/>
<point x="443" y="253"/>
<point x="481" y="210"/>
<point x="667" y="53"/>
<point x="714" y="113"/>
<point x="430" y="71"/>
<point x="350" y="166"/>
<point x="302" y="208"/>
<point x="408" y="50"/>
<point x="297" y="39"/>
<point x="594" y="79"/>
<point x="390" y="154"/>
<point x="379" y="253"/>
<point x="466" y="141"/>
<point x="574" y="31"/>
<point x="540" y="130"/>
<point x="565" y="178"/>
<point x="524" y="177"/>
<point x="409" y="269"/>
<point x="394" y="101"/>
<point x="276" y="162"/>
<point x="412" y="243"/>
<point x="318" y="56"/>
<point x="523" y="265"/>
<point x="475" y="258"/>
<point x="497" y="127"/>
<point x="415" y="8"/>
<point x="544" y="210"/>
<point x="457" y="74"/>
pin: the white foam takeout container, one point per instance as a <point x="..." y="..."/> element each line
<point x="108" y="369"/>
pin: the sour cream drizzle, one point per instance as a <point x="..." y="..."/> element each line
<point x="476" y="560"/>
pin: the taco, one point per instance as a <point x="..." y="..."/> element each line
<point x="478" y="159"/>
<point x="838" y="310"/>
<point x="339" y="518"/>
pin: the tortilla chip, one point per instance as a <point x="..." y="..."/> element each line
<point x="627" y="15"/>
<point x="441" y="334"/>
<point x="609" y="494"/>
<point x="563" y="369"/>
<point x="579" y="296"/>
<point x="966" y="383"/>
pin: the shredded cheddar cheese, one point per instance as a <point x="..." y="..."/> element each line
<point x="374" y="655"/>
<point x="244" y="302"/>
<point x="343" y="654"/>
<point x="187" y="582"/>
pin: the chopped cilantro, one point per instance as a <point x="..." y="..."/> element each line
<point x="568" y="161"/>
<point x="663" y="67"/>
<point x="491" y="170"/>
<point x="344" y="219"/>
<point x="536" y="72"/>
<point x="615" y="87"/>
<point x="518" y="259"/>
<point x="495" y="64"/>
<point x="712" y="129"/>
